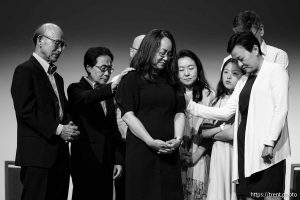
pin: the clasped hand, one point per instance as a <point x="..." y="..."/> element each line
<point x="162" y="147"/>
<point x="69" y="132"/>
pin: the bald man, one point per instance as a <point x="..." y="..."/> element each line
<point x="136" y="45"/>
<point x="43" y="126"/>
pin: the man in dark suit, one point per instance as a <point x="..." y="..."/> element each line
<point x="95" y="157"/>
<point x="43" y="128"/>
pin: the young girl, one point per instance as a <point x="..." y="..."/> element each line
<point x="219" y="184"/>
<point x="195" y="161"/>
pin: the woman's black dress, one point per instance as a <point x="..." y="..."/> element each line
<point x="269" y="180"/>
<point x="150" y="175"/>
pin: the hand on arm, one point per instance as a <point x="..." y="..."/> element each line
<point x="115" y="83"/>
<point x="226" y="134"/>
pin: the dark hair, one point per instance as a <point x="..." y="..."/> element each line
<point x="221" y="89"/>
<point x="201" y="83"/>
<point x="142" y="61"/>
<point x="245" y="20"/>
<point x="90" y="57"/>
<point x="244" y="39"/>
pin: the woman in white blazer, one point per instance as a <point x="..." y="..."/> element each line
<point x="260" y="104"/>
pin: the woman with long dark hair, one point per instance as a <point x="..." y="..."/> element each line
<point x="195" y="159"/>
<point x="153" y="109"/>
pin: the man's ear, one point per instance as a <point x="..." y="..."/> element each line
<point x="262" y="30"/>
<point x="255" y="49"/>
<point x="88" y="69"/>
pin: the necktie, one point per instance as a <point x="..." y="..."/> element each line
<point x="52" y="68"/>
<point x="50" y="72"/>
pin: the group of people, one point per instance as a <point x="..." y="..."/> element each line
<point x="182" y="139"/>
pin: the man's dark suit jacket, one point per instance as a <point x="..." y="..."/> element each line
<point x="37" y="113"/>
<point x="99" y="138"/>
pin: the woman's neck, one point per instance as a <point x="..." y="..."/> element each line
<point x="188" y="89"/>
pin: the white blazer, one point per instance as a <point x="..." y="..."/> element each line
<point x="267" y="118"/>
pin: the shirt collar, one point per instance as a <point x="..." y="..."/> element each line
<point x="90" y="82"/>
<point x="43" y="62"/>
<point x="263" y="47"/>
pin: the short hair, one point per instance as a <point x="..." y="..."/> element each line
<point x="41" y="31"/>
<point x="142" y="61"/>
<point x="201" y="82"/>
<point x="244" y="39"/>
<point x="90" y="57"/>
<point x="245" y="20"/>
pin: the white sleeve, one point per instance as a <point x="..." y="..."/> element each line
<point x="223" y="113"/>
<point x="279" y="89"/>
<point x="282" y="59"/>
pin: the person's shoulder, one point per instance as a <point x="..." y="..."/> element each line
<point x="78" y="84"/>
<point x="272" y="67"/>
<point x="25" y="68"/>
<point x="130" y="76"/>
<point x="275" y="50"/>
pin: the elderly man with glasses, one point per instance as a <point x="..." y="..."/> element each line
<point x="96" y="156"/>
<point x="251" y="22"/>
<point x="44" y="129"/>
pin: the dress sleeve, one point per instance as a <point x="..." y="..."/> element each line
<point x="127" y="96"/>
<point x="180" y="103"/>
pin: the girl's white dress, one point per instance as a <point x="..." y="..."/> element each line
<point x="220" y="186"/>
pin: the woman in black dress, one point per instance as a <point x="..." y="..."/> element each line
<point x="260" y="104"/>
<point x="153" y="109"/>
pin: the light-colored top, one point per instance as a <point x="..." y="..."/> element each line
<point x="45" y="66"/>
<point x="271" y="54"/>
<point x="267" y="117"/>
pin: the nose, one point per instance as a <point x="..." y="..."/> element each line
<point x="186" y="72"/>
<point x="229" y="76"/>
<point x="107" y="73"/>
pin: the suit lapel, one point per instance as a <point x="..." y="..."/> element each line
<point x="60" y="89"/>
<point x="43" y="74"/>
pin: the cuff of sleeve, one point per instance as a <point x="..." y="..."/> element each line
<point x="269" y="143"/>
<point x="59" y="129"/>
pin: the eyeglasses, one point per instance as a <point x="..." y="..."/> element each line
<point x="134" y="48"/>
<point x="164" y="54"/>
<point x="104" y="68"/>
<point x="57" y="43"/>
